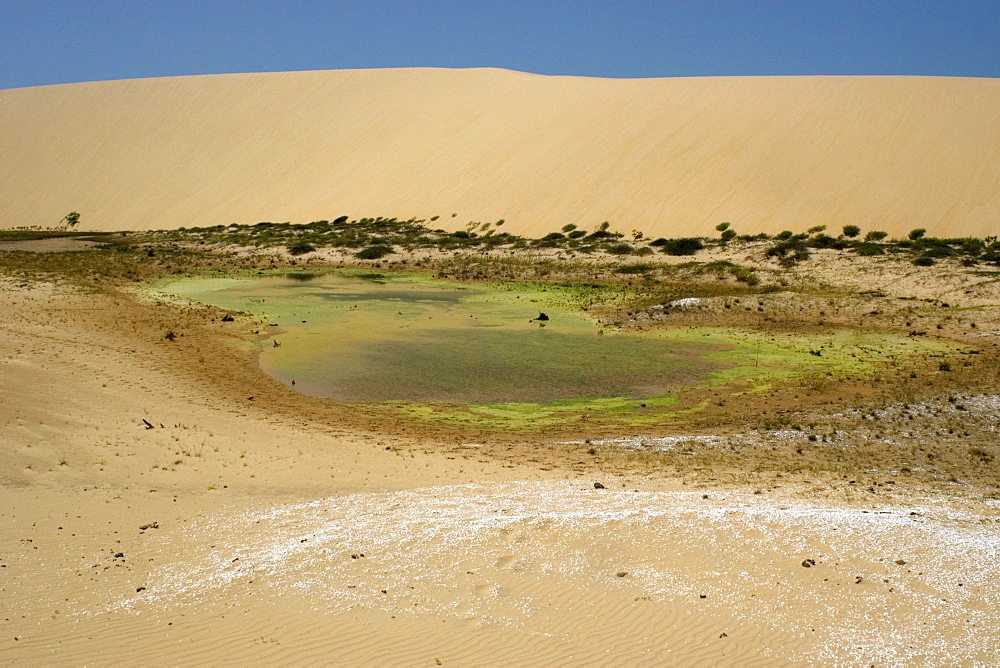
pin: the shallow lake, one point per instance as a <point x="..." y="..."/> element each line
<point x="404" y="337"/>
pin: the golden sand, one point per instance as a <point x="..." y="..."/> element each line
<point x="670" y="157"/>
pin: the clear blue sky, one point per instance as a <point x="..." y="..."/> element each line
<point x="60" y="41"/>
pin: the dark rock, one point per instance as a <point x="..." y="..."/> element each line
<point x="621" y="574"/>
<point x="228" y="318"/>
<point x="598" y="485"/>
<point x="808" y="563"/>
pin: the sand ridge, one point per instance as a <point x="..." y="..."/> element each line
<point x="670" y="157"/>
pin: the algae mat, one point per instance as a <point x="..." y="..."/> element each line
<point x="404" y="337"/>
<point x="479" y="354"/>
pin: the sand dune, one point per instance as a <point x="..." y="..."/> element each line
<point x="670" y="157"/>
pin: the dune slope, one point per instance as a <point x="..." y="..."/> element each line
<point x="671" y="157"/>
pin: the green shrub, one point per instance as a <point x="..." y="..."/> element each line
<point x="876" y="235"/>
<point x="851" y="231"/>
<point x="822" y="241"/>
<point x="684" y="246"/>
<point x="619" y="249"/>
<point x="924" y="261"/>
<point x="866" y="249"/>
<point x="791" y="251"/>
<point x="301" y="249"/>
<point x="375" y="252"/>
<point x="917" y="233"/>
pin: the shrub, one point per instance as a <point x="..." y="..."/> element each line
<point x="722" y="227"/>
<point x="791" y="251"/>
<point x="865" y="248"/>
<point x="851" y="231"/>
<point x="300" y="249"/>
<point x="876" y="235"/>
<point x="576" y="234"/>
<point x="917" y="233"/>
<point x="787" y="234"/>
<point x="619" y="249"/>
<point x="924" y="261"/>
<point x="728" y="234"/>
<point x="684" y="246"/>
<point x="822" y="241"/>
<point x="374" y="252"/>
<point x="972" y="246"/>
<point x="658" y="242"/>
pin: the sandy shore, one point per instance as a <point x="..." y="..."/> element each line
<point x="231" y="530"/>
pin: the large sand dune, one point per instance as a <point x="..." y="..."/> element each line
<point x="670" y="157"/>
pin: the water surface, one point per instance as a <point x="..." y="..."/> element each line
<point x="370" y="338"/>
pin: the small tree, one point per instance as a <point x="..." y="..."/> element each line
<point x="851" y="231"/>
<point x="72" y="219"/>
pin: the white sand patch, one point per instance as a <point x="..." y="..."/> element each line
<point x="503" y="553"/>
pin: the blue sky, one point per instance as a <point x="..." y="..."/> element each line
<point x="48" y="42"/>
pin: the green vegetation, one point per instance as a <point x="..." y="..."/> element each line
<point x="684" y="246"/>
<point x="301" y="249"/>
<point x="375" y="252"/>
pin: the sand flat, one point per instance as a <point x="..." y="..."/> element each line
<point x="671" y="157"/>
<point x="232" y="533"/>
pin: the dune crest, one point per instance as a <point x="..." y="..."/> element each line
<point x="670" y="157"/>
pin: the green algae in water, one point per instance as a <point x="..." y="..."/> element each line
<point x="407" y="338"/>
<point x="474" y="355"/>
